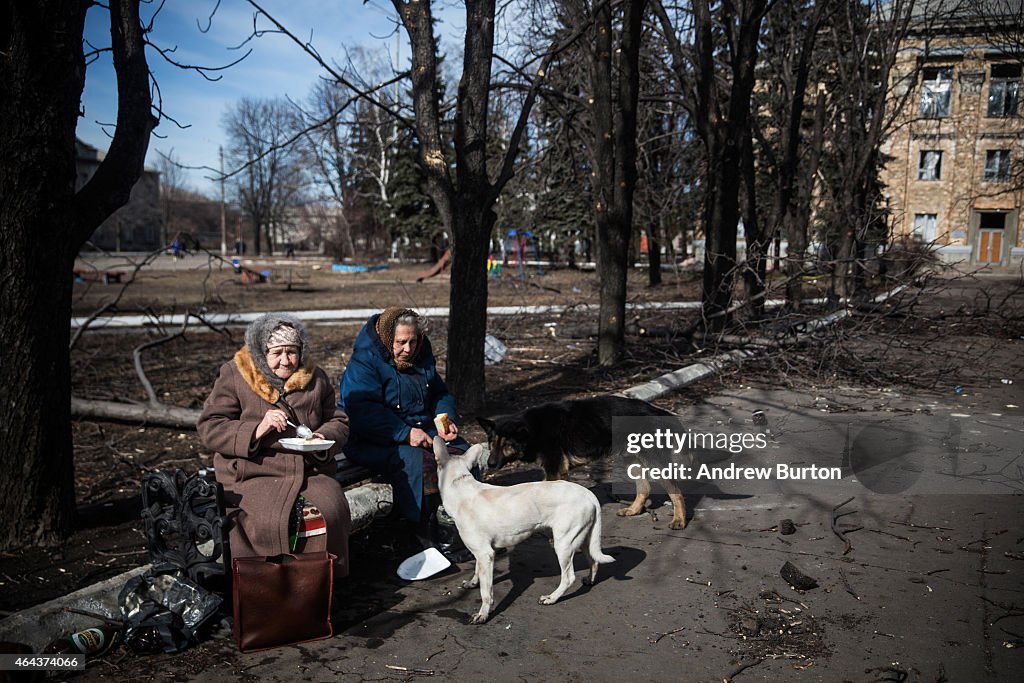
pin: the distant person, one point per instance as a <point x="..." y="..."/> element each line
<point x="392" y="391"/>
<point x="270" y="490"/>
<point x="289" y="249"/>
<point x="176" y="248"/>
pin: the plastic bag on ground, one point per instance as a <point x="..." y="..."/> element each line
<point x="494" y="350"/>
<point x="163" y="609"/>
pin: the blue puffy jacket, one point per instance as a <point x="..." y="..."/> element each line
<point x="383" y="405"/>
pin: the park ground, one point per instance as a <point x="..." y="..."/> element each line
<point x="930" y="589"/>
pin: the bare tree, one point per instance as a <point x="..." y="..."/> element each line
<point x="328" y="148"/>
<point x="464" y="191"/>
<point x="615" y="89"/>
<point x="267" y="182"/>
<point x="864" y="38"/>
<point x="789" y="158"/>
<point x="351" y="144"/>
<point x="719" y="72"/>
<point x="43" y="223"/>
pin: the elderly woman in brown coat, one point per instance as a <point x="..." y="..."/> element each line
<point x="272" y="381"/>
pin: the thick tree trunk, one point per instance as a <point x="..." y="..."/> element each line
<point x="721" y="216"/>
<point x="42" y="225"/>
<point x="465" y="205"/>
<point x="467" y="323"/>
<point x="257" y="236"/>
<point x="38" y="104"/>
<point x="612" y="245"/>
<point x="614" y="151"/>
<point x="842" y="263"/>
<point x="723" y="123"/>
<point x="474" y="220"/>
<point x="612" y="252"/>
<point x="654" y="256"/>
<point x="798" y="214"/>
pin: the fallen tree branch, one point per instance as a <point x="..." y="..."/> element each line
<point x="835" y="527"/>
<point x="136" y="413"/>
<point x="153" y="412"/>
<point x="743" y="666"/>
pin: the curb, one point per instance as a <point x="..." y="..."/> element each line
<point x="37" y="626"/>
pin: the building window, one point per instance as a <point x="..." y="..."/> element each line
<point x="936" y="86"/>
<point x="930" y="166"/>
<point x="1004" y="90"/>
<point x="997" y="165"/>
<point x="925" y="226"/>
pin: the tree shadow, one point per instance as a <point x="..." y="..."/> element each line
<point x="363" y="600"/>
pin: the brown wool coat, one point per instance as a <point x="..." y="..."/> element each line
<point x="262" y="479"/>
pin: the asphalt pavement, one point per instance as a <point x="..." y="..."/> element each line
<point x="910" y="586"/>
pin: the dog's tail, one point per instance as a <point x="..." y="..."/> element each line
<point x="594" y="542"/>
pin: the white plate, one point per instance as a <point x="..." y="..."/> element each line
<point x="423" y="565"/>
<point x="305" y="446"/>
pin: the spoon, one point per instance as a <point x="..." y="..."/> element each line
<point x="303" y="431"/>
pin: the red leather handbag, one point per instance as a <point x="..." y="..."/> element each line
<point x="282" y="600"/>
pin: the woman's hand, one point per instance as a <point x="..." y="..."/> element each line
<point x="418" y="437"/>
<point x="451" y="434"/>
<point x="275" y="420"/>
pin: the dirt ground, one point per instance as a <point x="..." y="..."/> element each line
<point x="949" y="333"/>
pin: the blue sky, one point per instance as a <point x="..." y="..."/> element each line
<point x="276" y="66"/>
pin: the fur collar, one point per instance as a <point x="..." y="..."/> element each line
<point x="262" y="386"/>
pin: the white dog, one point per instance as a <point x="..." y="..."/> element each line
<point x="490" y="517"/>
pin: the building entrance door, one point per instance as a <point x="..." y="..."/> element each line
<point x="990" y="237"/>
<point x="990" y="246"/>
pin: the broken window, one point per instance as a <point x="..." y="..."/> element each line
<point x="936" y="87"/>
<point x="1004" y="90"/>
<point x="930" y="166"/>
<point x="992" y="220"/>
<point x="997" y="165"/>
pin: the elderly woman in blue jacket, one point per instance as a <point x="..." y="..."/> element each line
<point x="392" y="392"/>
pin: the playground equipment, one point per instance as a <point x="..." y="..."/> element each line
<point x="520" y="240"/>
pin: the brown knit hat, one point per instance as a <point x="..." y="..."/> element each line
<point x="385" y="328"/>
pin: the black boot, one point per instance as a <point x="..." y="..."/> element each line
<point x="448" y="540"/>
<point x="426" y="530"/>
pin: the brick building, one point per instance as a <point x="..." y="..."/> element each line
<point x="953" y="171"/>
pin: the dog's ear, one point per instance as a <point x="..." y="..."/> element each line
<point x="476" y="457"/>
<point x="518" y="430"/>
<point x="488" y="425"/>
<point x="440" y="451"/>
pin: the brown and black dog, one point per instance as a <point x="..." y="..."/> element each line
<point x="561" y="434"/>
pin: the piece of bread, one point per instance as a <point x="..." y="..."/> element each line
<point x="441" y="422"/>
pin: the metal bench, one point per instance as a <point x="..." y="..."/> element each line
<point x="184" y="519"/>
